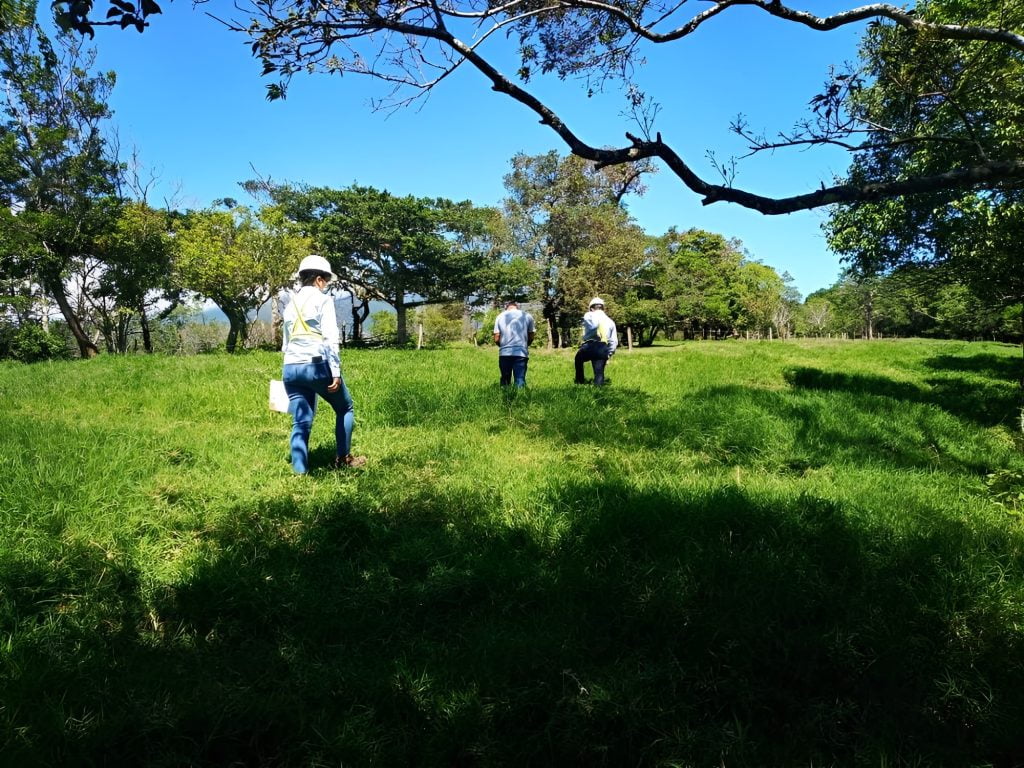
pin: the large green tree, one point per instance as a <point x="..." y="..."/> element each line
<point x="562" y="211"/>
<point x="136" y="270"/>
<point x="405" y="251"/>
<point x="694" y="275"/>
<point x="239" y="259"/>
<point x="56" y="172"/>
<point x="960" y="100"/>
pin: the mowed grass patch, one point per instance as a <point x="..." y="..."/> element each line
<point x="737" y="553"/>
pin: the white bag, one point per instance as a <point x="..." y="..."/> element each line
<point x="278" y="396"/>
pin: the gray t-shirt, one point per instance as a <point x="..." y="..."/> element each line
<point x="514" y="325"/>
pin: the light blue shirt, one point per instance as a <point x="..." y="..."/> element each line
<point x="514" y="328"/>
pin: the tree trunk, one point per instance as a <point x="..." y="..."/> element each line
<point x="400" y="313"/>
<point x="360" y="311"/>
<point x="236" y="329"/>
<point x="55" y="287"/>
<point x="122" y="326"/>
<point x="147" y="337"/>
<point x="277" y="320"/>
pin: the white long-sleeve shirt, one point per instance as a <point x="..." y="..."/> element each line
<point x="597" y="326"/>
<point x="316" y="335"/>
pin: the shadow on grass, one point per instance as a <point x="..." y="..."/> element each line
<point x="705" y="629"/>
<point x="774" y="431"/>
<point x="984" y="403"/>
<point x="998" y="367"/>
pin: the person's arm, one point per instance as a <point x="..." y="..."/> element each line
<point x="283" y="302"/>
<point x="329" y="330"/>
<point x="497" y="331"/>
<point x="613" y="338"/>
<point x="588" y="326"/>
<point x="531" y="330"/>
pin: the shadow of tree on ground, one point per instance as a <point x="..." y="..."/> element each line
<point x="999" y="367"/>
<point x="986" y="404"/>
<point x="660" y="627"/>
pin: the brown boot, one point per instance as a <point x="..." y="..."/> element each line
<point x="341" y="462"/>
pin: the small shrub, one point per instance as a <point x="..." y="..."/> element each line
<point x="384" y="326"/>
<point x="442" y="324"/>
<point x="30" y="343"/>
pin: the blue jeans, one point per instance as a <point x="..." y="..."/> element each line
<point x="513" y="365"/>
<point x="303" y="382"/>
<point x="597" y="353"/>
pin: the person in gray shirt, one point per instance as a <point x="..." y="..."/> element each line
<point x="514" y="331"/>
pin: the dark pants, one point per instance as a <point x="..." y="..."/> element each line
<point x="597" y="353"/>
<point x="513" y="365"/>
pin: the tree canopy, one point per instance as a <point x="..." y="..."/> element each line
<point x="238" y="259"/>
<point x="405" y="251"/>
<point x="57" y="175"/>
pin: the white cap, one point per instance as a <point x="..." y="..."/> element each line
<point x="316" y="263"/>
<point x="595" y="301"/>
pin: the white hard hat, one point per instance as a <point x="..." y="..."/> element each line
<point x="316" y="263"/>
<point x="595" y="301"/>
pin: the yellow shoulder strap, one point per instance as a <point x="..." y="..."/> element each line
<point x="306" y="330"/>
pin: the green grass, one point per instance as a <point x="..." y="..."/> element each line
<point x="738" y="554"/>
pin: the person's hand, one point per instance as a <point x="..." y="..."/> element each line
<point x="335" y="385"/>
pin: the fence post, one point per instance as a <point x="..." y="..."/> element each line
<point x="629" y="338"/>
<point x="419" y="342"/>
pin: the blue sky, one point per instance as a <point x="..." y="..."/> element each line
<point x="190" y="97"/>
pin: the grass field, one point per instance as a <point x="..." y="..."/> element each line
<point x="738" y="554"/>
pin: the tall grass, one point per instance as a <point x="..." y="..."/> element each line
<point x="737" y="554"/>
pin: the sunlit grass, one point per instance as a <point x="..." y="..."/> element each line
<point x="739" y="553"/>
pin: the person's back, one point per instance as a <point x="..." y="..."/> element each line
<point x="515" y="328"/>
<point x="599" y="342"/>
<point x="514" y="331"/>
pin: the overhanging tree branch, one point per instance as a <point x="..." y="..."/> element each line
<point x="570" y="37"/>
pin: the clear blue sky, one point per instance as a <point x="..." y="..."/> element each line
<point x="190" y="97"/>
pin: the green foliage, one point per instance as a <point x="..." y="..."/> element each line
<point x="936" y="106"/>
<point x="54" y="163"/>
<point x="567" y="219"/>
<point x="1007" y="488"/>
<point x="442" y="324"/>
<point x="738" y="553"/>
<point x="485" y="333"/>
<point x="911" y="301"/>
<point x="30" y="343"/>
<point x="384" y="325"/>
<point x="405" y="251"/>
<point x="239" y="259"/>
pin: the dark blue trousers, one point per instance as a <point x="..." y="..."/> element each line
<point x="597" y="353"/>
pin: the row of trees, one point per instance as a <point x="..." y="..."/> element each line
<point x="78" y="233"/>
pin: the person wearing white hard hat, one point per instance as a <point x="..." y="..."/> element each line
<point x="600" y="341"/>
<point x="312" y="366"/>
